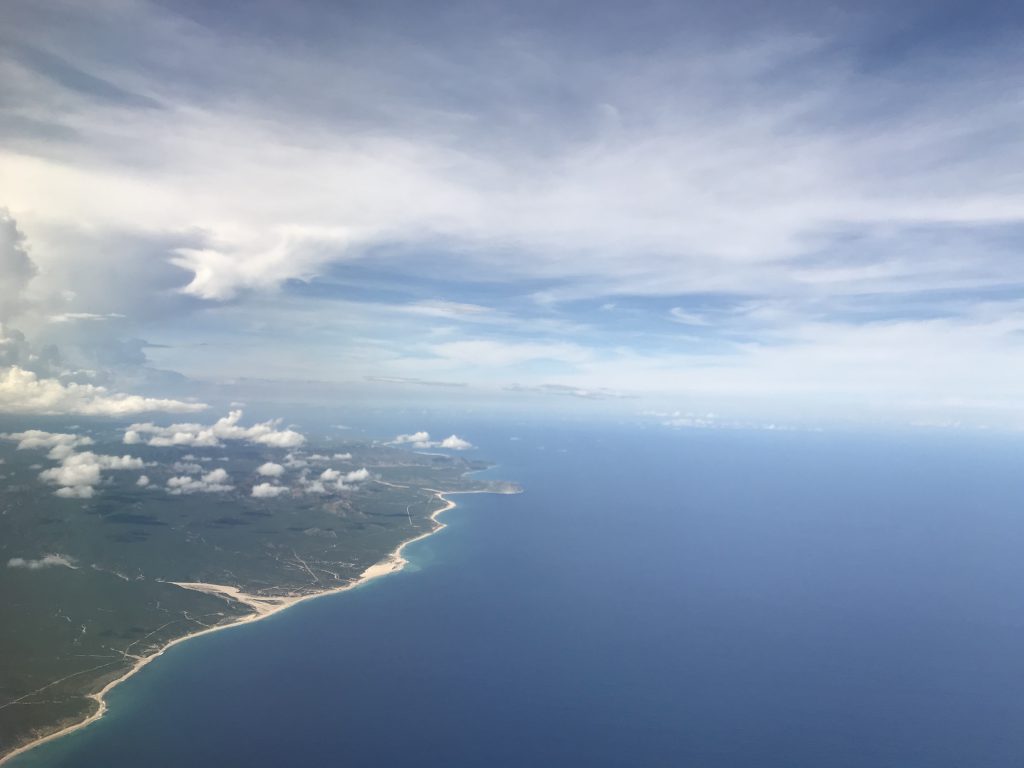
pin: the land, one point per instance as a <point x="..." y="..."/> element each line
<point x="140" y="569"/>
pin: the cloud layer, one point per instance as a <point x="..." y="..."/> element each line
<point x="817" y="205"/>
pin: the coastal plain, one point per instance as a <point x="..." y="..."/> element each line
<point x="92" y="588"/>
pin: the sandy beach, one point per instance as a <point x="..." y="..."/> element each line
<point x="261" y="606"/>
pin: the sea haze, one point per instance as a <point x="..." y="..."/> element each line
<point x="654" y="598"/>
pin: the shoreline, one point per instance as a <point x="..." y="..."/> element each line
<point x="262" y="607"/>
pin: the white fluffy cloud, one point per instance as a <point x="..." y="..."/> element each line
<point x="22" y="391"/>
<point x="270" y="469"/>
<point x="60" y="444"/>
<point x="216" y="481"/>
<point x="16" y="267"/>
<point x="422" y="440"/>
<point x="78" y="472"/>
<point x="455" y="443"/>
<point x="415" y="439"/>
<point x="357" y="475"/>
<point x="331" y="480"/>
<point x="143" y="481"/>
<point x="268" y="491"/>
<point x="199" y="435"/>
<point x="46" y="561"/>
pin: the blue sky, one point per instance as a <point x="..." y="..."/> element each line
<point x="785" y="213"/>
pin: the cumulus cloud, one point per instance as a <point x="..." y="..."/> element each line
<point x="422" y="440"/>
<point x="349" y="480"/>
<point x="143" y="481"/>
<point x="60" y="444"/>
<point x="187" y="467"/>
<point x="22" y="391"/>
<point x="415" y="439"/>
<point x="216" y="481"/>
<point x="46" y="561"/>
<point x="16" y="267"/>
<point x="199" y="435"/>
<point x="357" y="475"/>
<point x="78" y="472"/>
<point x="268" y="491"/>
<point x="331" y="480"/>
<point x="295" y="461"/>
<point x="456" y="443"/>
<point x="342" y="456"/>
<point x="270" y="469"/>
<point x="312" y="486"/>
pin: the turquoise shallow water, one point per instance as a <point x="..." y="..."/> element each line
<point x="654" y="598"/>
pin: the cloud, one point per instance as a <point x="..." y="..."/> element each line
<point x="585" y="393"/>
<point x="227" y="428"/>
<point x="75" y="492"/>
<point x="295" y="461"/>
<point x="491" y="352"/>
<point x="357" y="475"/>
<point x="422" y="440"/>
<point x="312" y="486"/>
<point x="70" y="317"/>
<point x="413" y="380"/>
<point x="216" y="481"/>
<point x="331" y="480"/>
<point x="680" y="315"/>
<point x="786" y="156"/>
<point x="342" y="456"/>
<point x="270" y="469"/>
<point x="79" y="473"/>
<point x="455" y="443"/>
<point x="268" y="491"/>
<point x="350" y="480"/>
<point x="416" y="439"/>
<point x="46" y="561"/>
<point x="60" y="444"/>
<point x="143" y="481"/>
<point x="16" y="267"/>
<point x="22" y="391"/>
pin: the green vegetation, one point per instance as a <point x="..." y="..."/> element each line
<point x="104" y="599"/>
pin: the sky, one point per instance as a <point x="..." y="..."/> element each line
<point x="710" y="214"/>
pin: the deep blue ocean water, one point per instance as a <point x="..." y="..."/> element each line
<point x="655" y="598"/>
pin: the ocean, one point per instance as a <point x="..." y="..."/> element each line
<point x="710" y="598"/>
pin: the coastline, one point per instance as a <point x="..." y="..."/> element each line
<point x="262" y="608"/>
